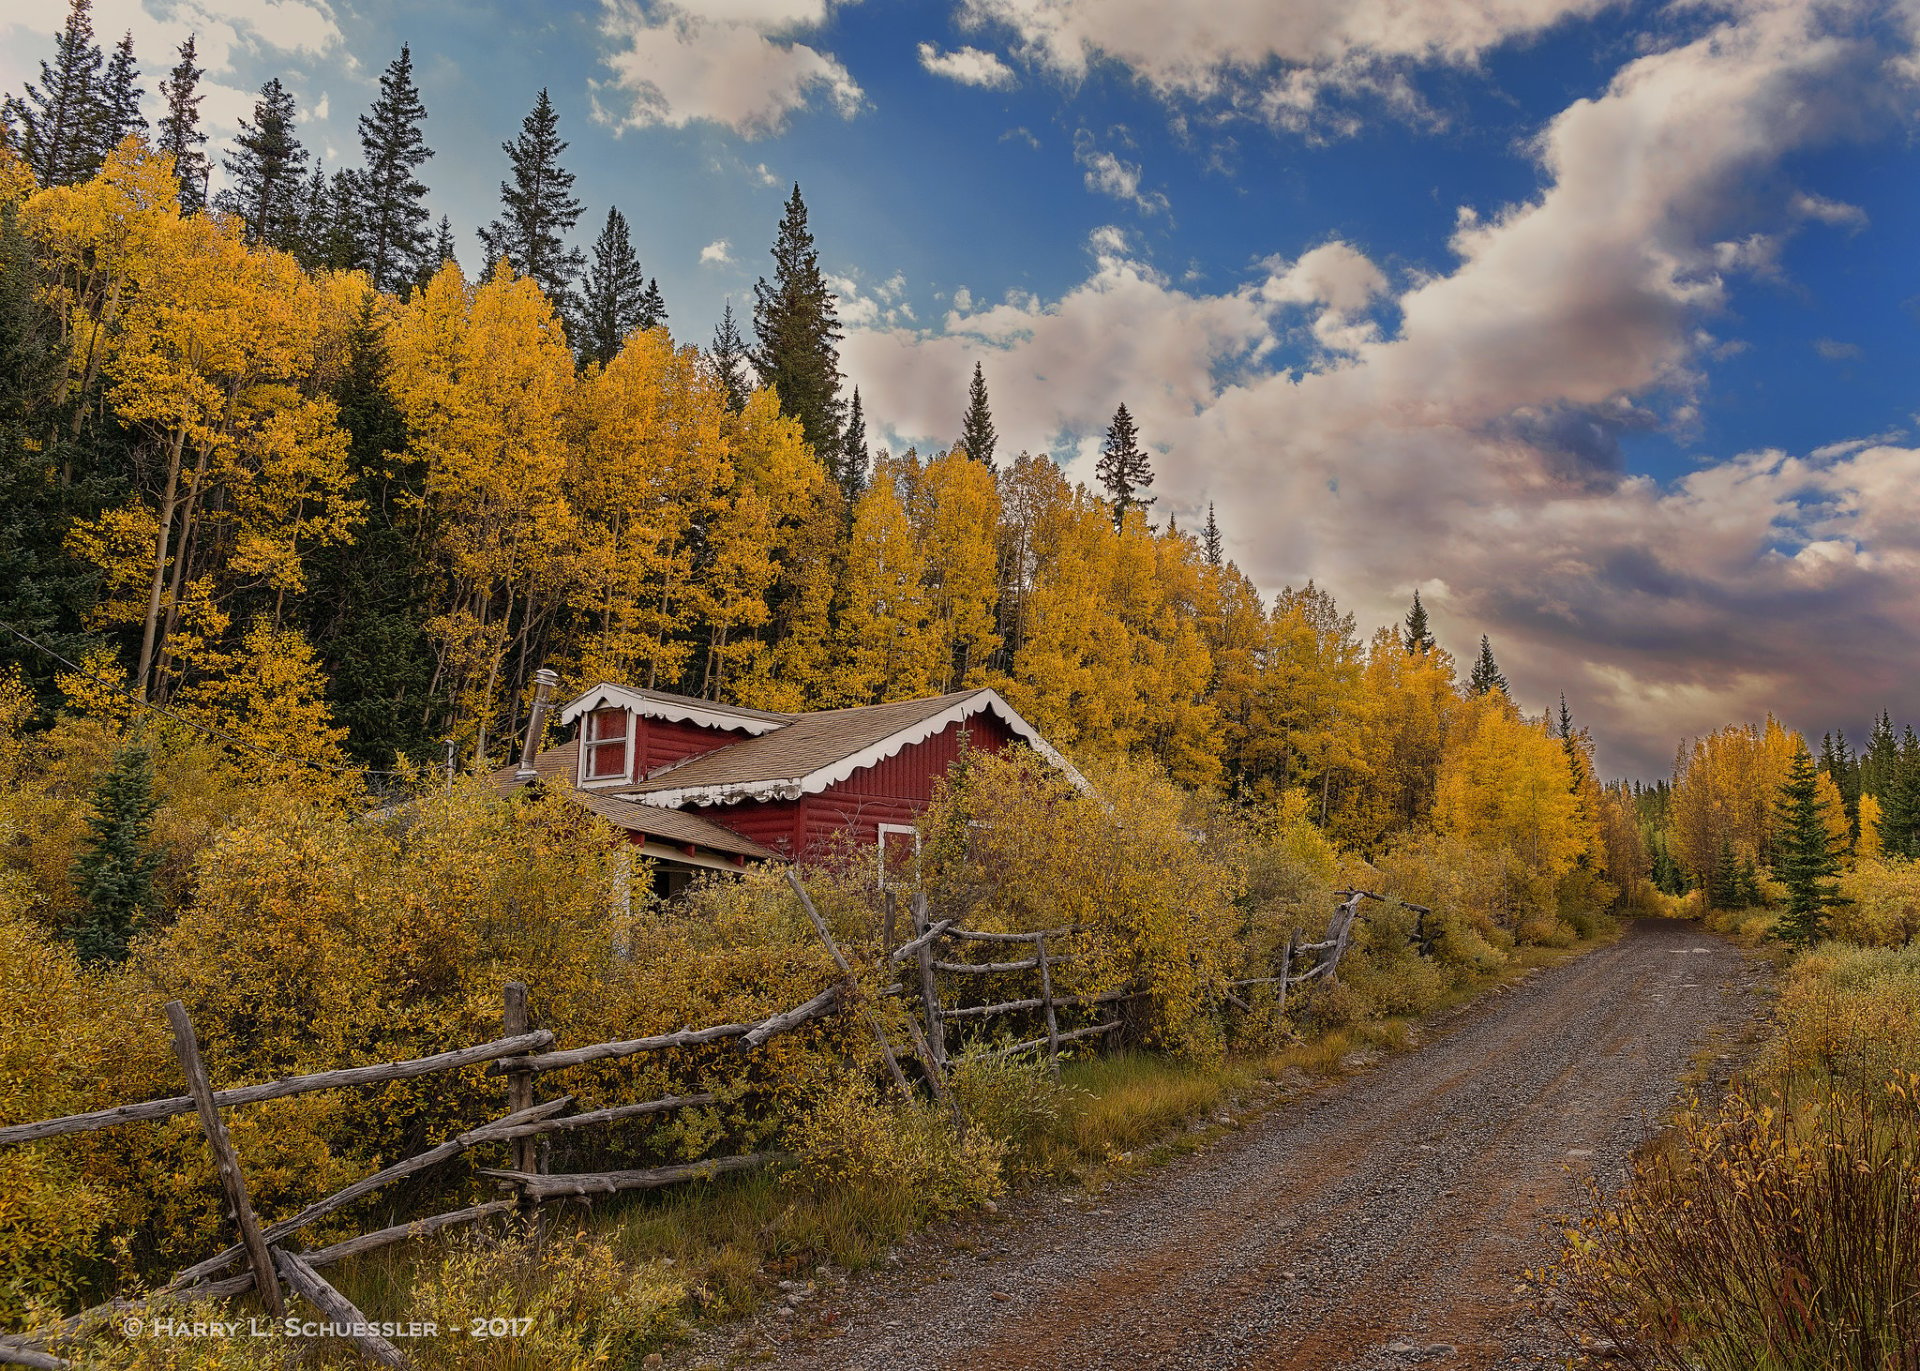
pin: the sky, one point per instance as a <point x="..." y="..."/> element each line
<point x="1593" y="321"/>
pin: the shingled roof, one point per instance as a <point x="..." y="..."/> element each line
<point x="815" y="750"/>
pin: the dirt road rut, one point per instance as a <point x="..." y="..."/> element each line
<point x="1379" y="1224"/>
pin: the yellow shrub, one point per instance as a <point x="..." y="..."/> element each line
<point x="1882" y="903"/>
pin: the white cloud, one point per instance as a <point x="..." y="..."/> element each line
<point x="1354" y="49"/>
<point x="221" y="29"/>
<point x="1465" y="433"/>
<point x="969" y="66"/>
<point x="1108" y="175"/>
<point x="1836" y="351"/>
<point x="731" y="62"/>
<point x="718" y="253"/>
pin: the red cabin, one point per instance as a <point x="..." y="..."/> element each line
<point x="706" y="786"/>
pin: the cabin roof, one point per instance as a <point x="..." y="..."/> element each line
<point x="814" y="751"/>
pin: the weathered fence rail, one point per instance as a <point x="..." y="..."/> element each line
<point x="265" y="1261"/>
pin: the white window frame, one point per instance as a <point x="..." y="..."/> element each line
<point x="880" y="849"/>
<point x="587" y="745"/>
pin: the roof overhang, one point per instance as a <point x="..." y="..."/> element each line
<point x="793" y="787"/>
<point x="704" y="713"/>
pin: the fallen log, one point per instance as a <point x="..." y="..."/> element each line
<point x="536" y="1186"/>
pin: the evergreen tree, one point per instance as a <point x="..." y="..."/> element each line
<point x="344" y="233"/>
<point x="1804" y="859"/>
<point x="46" y="481"/>
<point x="443" y="249"/>
<point x="1211" y="545"/>
<point x="1416" y="635"/>
<point x="119" y="107"/>
<point x="850" y="463"/>
<point x="57" y="125"/>
<point x="653" y="306"/>
<point x="614" y="299"/>
<point x="727" y="359"/>
<point x="1568" y="742"/>
<point x="372" y="597"/>
<point x="537" y="210"/>
<point x="313" y="219"/>
<point x="113" y="875"/>
<point x="268" y="167"/>
<point x="1123" y="469"/>
<point x="390" y="214"/>
<point x="179" y="131"/>
<point x="976" y="426"/>
<point x="1837" y="760"/>
<point x="1899" y="826"/>
<point x="797" y="327"/>
<point x="1486" y="676"/>
<point x="1882" y="758"/>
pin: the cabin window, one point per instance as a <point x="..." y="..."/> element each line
<point x="606" y="744"/>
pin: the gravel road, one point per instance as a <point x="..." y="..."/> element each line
<point x="1380" y="1223"/>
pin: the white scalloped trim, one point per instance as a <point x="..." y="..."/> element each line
<point x="704" y="714"/>
<point x="792" y="788"/>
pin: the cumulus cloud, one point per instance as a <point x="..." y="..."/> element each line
<point x="969" y="66"/>
<point x="1283" y="60"/>
<point x="1462" y="430"/>
<point x="1108" y="175"/>
<point x="1836" y="351"/>
<point x="220" y="28"/>
<point x="718" y="253"/>
<point x="733" y="62"/>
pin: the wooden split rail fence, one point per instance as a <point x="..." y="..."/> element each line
<point x="262" y="1259"/>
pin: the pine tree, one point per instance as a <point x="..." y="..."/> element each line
<point x="443" y="248"/>
<point x="1837" y="760"/>
<point x="179" y="131"/>
<point x="1569" y="743"/>
<point x="850" y="462"/>
<point x="1486" y="676"/>
<point x="1804" y="859"/>
<point x="119" y="108"/>
<point x="390" y="215"/>
<point x="727" y="359"/>
<point x="344" y="244"/>
<point x="57" y="124"/>
<point x="267" y="166"/>
<point x="113" y="875"/>
<point x="1881" y="759"/>
<point x="1123" y="469"/>
<point x="797" y="327"/>
<point x="1416" y="635"/>
<point x="1212" y="547"/>
<point x="653" y="306"/>
<point x="1899" y="824"/>
<point x="538" y="210"/>
<point x="976" y="426"/>
<point x="614" y="299"/>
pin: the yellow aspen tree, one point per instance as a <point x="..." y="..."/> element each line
<point x="888" y="646"/>
<point x="485" y="381"/>
<point x="958" y="525"/>
<point x="651" y="472"/>
<point x="205" y="344"/>
<point x="269" y="693"/>
<point x="1314" y="705"/>
<point x="1183" y="724"/>
<point x="1725" y="785"/>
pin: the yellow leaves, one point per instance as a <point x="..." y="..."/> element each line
<point x="1724" y="790"/>
<point x="99" y="689"/>
<point x="888" y="648"/>
<point x="1504" y="785"/>
<point x="120" y="544"/>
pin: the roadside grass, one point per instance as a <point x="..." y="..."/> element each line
<point x="1776" y="1228"/>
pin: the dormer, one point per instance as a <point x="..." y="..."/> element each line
<point x="628" y="734"/>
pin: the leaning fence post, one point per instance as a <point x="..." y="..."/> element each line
<point x="232" y="1179"/>
<point x="1286" y="971"/>
<point x="513" y="1022"/>
<point x="929" y="991"/>
<point x="839" y="960"/>
<point x="1046" y="1001"/>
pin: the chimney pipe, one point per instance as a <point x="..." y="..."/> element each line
<point x="543" y="683"/>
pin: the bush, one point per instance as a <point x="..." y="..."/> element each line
<point x="1780" y="1234"/>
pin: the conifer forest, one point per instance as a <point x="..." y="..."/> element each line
<point x="302" y="484"/>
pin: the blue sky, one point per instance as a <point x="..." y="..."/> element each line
<point x="1596" y="321"/>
